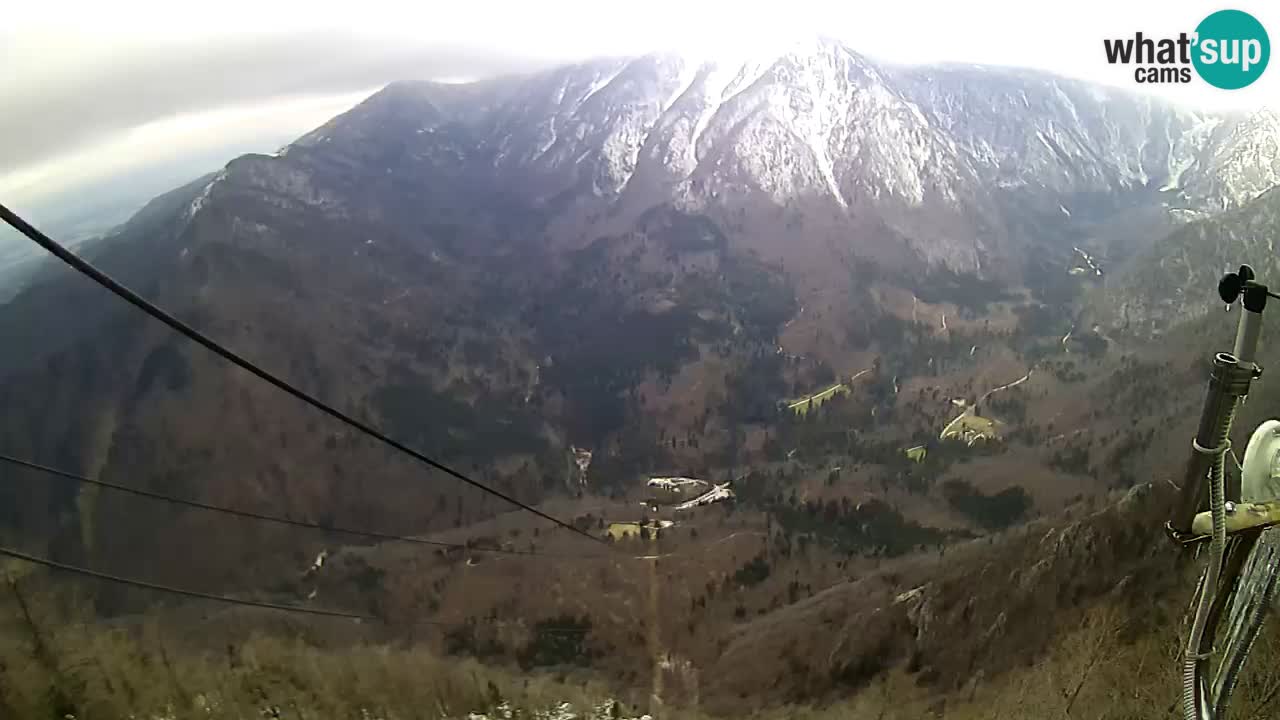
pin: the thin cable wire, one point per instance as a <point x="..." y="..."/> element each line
<point x="77" y="570"/>
<point x="260" y="516"/>
<point x="621" y="553"/>
<point x="84" y="267"/>
<point x="173" y="590"/>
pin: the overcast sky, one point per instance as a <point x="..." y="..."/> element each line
<point x="91" y="90"/>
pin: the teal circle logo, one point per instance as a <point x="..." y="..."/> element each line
<point x="1232" y="49"/>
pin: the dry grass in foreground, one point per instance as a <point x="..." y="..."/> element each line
<point x="92" y="672"/>
<point x="1109" y="663"/>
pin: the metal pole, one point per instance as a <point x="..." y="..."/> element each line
<point x="1229" y="380"/>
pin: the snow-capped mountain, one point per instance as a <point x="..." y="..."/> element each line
<point x="814" y="156"/>
<point x="928" y="151"/>
<point x="1021" y="129"/>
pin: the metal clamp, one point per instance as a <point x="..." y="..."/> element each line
<point x="1225" y="446"/>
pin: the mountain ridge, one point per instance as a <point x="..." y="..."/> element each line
<point x="637" y="130"/>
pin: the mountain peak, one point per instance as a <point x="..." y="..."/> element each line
<point x="812" y="118"/>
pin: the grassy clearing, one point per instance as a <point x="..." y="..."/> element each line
<point x="971" y="429"/>
<point x="803" y="405"/>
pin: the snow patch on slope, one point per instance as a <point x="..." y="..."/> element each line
<point x="688" y="74"/>
<point x="714" y="87"/>
<point x="817" y="126"/>
<point x="203" y="197"/>
<point x="603" y="82"/>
